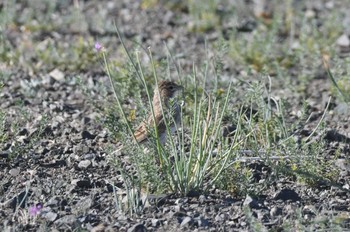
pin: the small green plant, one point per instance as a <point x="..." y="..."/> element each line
<point x="341" y="84"/>
<point x="11" y="126"/>
<point x="272" y="140"/>
<point x="262" y="49"/>
<point x="175" y="5"/>
<point x="23" y="147"/>
<point x="182" y="169"/>
<point x="129" y="200"/>
<point x="7" y="14"/>
<point x="46" y="54"/>
<point x="204" y="16"/>
<point x="318" y="220"/>
<point x="253" y="223"/>
<point x="198" y="156"/>
<point x="3" y="135"/>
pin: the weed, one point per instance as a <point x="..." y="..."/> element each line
<point x="199" y="158"/>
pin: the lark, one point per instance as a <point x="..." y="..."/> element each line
<point x="164" y="96"/>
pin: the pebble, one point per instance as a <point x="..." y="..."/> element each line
<point x="84" y="164"/>
<point x="343" y="41"/>
<point x="186" y="221"/>
<point x="57" y="75"/>
<point x="66" y="220"/>
<point x="14" y="171"/>
<point x="50" y="216"/>
<point x="137" y="228"/>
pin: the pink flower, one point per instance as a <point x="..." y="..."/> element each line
<point x="35" y="209"/>
<point x="98" y="46"/>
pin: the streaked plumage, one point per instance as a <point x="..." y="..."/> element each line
<point x="167" y="91"/>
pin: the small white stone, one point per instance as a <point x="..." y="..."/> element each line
<point x="343" y="41"/>
<point x="14" y="171"/>
<point x="84" y="164"/>
<point x="329" y="5"/>
<point x="310" y="14"/>
<point x="57" y="75"/>
<point x="295" y="45"/>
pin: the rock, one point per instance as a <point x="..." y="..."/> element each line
<point x="309" y="209"/>
<point x="87" y="135"/>
<point x="90" y="156"/>
<point x="138" y="228"/>
<point x="275" y="211"/>
<point x="23" y="131"/>
<point x="310" y="13"/>
<point x="52" y="202"/>
<point x="83" y="183"/>
<point x="342" y="164"/>
<point x="22" y="139"/>
<point x="187" y="221"/>
<point x="342" y="108"/>
<point x="14" y="171"/>
<point x="4" y="155"/>
<point x="202" y="222"/>
<point x="201" y="199"/>
<point x="66" y="220"/>
<point x="346" y="24"/>
<point x="261" y="214"/>
<point x="83" y="205"/>
<point x="99" y="228"/>
<point x="249" y="201"/>
<point x="57" y="75"/>
<point x="155" y="222"/>
<point x="50" y="216"/>
<point x="218" y="218"/>
<point x="84" y="164"/>
<point x="287" y="194"/>
<point x="329" y="5"/>
<point x="343" y="41"/>
<point x="181" y="201"/>
<point x="178" y="208"/>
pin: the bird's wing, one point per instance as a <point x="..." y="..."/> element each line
<point x="142" y="132"/>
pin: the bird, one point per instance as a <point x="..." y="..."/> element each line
<point x="164" y="96"/>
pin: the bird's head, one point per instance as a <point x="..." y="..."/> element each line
<point x="167" y="89"/>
